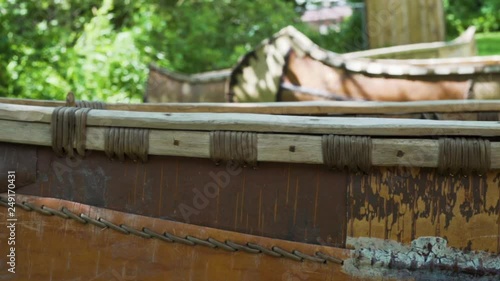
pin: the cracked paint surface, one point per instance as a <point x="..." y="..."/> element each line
<point x="427" y="258"/>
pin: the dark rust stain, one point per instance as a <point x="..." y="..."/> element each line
<point x="18" y="158"/>
<point x="100" y="182"/>
<point x="400" y="153"/>
<point x="176" y="142"/>
<point x="292" y="148"/>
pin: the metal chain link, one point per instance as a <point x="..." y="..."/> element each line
<point x="227" y="245"/>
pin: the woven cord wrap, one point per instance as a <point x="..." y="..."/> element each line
<point x="240" y="147"/>
<point x="68" y="127"/>
<point x="81" y="130"/>
<point x="351" y="152"/>
<point x="464" y="155"/>
<point x="131" y="142"/>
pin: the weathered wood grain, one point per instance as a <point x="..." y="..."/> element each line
<point x="402" y="204"/>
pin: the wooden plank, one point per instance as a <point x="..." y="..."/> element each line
<point x="173" y="143"/>
<point x="286" y="148"/>
<point x="423" y="20"/>
<point x="51" y="103"/>
<point x="419" y="50"/>
<point x="262" y="123"/>
<point x="295" y="108"/>
<point x="59" y="249"/>
<point x="24" y="132"/>
<point x="413" y="18"/>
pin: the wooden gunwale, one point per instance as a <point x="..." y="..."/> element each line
<point x="294" y="108"/>
<point x="407" y="49"/>
<point x="262" y="123"/>
<point x="464" y="41"/>
<point x="454" y="69"/>
<point x="394" y="141"/>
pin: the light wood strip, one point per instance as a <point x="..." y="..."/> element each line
<point x="294" y="108"/>
<point x="271" y="147"/>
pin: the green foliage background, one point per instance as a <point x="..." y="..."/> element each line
<point x="100" y="49"/>
<point x="460" y="14"/>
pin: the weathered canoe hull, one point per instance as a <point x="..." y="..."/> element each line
<point x="248" y="175"/>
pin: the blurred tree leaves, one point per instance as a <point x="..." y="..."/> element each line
<point x="100" y="49"/>
<point x="50" y="47"/>
<point x="209" y="35"/>
<point x="460" y="14"/>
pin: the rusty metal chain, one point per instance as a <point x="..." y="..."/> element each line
<point x="227" y="245"/>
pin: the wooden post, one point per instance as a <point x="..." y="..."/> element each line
<point x="397" y="22"/>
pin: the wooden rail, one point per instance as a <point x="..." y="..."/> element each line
<point x="294" y="108"/>
<point x="404" y="142"/>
